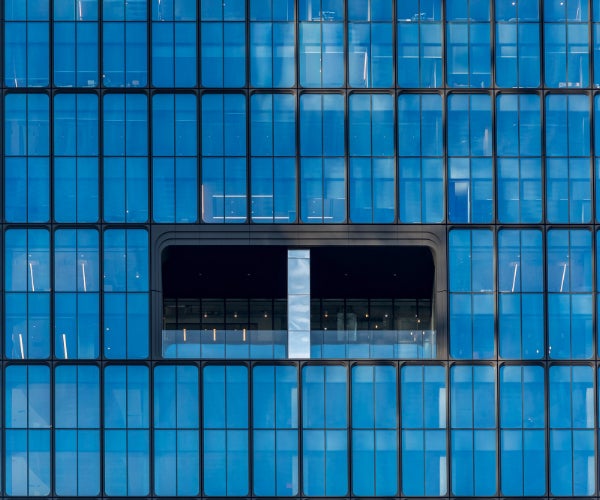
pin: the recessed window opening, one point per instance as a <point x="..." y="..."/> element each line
<point x="224" y="302"/>
<point x="372" y="302"/>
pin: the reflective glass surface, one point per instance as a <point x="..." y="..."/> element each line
<point x="467" y="128"/>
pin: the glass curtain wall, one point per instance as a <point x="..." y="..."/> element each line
<point x="477" y="121"/>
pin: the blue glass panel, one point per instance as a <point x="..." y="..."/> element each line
<point x="223" y="54"/>
<point x="517" y="49"/>
<point x="272" y="50"/>
<point x="566" y="53"/>
<point x="419" y="44"/>
<point x="321" y="53"/>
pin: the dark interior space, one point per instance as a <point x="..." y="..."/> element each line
<point x="224" y="271"/>
<point x="381" y="272"/>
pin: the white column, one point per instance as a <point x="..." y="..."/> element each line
<point x="298" y="304"/>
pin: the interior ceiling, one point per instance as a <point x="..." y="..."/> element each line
<point x="261" y="272"/>
<point x="374" y="272"/>
<point x="224" y="271"/>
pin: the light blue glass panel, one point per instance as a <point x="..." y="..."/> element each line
<point x="470" y="180"/>
<point x="226" y="115"/>
<point x="75" y="53"/>
<point x="517" y="51"/>
<point x="126" y="421"/>
<point x="76" y="10"/>
<point x="372" y="180"/>
<point x="322" y="190"/>
<point x="520" y="114"/>
<point x="569" y="10"/>
<point x="174" y="132"/>
<point x="374" y="435"/>
<point x="321" y="52"/>
<point x="470" y="190"/>
<point x="322" y="125"/>
<point x="223" y="49"/>
<point x="567" y="52"/>
<point x="276" y="10"/>
<point x="273" y="180"/>
<point x="126" y="314"/>
<point x="423" y="397"/>
<point x="27" y="397"/>
<point x="506" y="10"/>
<point x="174" y="59"/>
<point x="275" y="418"/>
<point x="176" y="444"/>
<point x="419" y="44"/>
<point x="469" y="125"/>
<point x="569" y="299"/>
<point x="521" y="300"/>
<point x="519" y="179"/>
<point x="371" y="125"/>
<point x="596" y="49"/>
<point x="27" y="281"/>
<point x="568" y="190"/>
<point x="124" y="54"/>
<point x="519" y="189"/>
<point x="420" y="128"/>
<point x="27" y="49"/>
<point x="523" y="450"/>
<point x="316" y="10"/>
<point x="325" y="457"/>
<point x="28" y="462"/>
<point x="421" y="188"/>
<point x="370" y="55"/>
<point x="27" y="171"/>
<point x="178" y="10"/>
<point x="126" y="462"/>
<point x="125" y="167"/>
<point x="121" y="10"/>
<point x="322" y="179"/>
<point x="28" y="9"/>
<point x="125" y="189"/>
<point x="468" y="53"/>
<point x="371" y="447"/>
<point x="471" y="300"/>
<point x="27" y="459"/>
<point x="572" y="460"/>
<point x="125" y="123"/>
<point x="174" y="179"/>
<point x="272" y="53"/>
<point x="76" y="189"/>
<point x="424" y="454"/>
<point x="372" y="183"/>
<point x="77" y="418"/>
<point x="76" y="179"/>
<point x="468" y="9"/>
<point x="77" y="322"/>
<point x="273" y="185"/>
<point x="473" y="440"/>
<point x="225" y="393"/>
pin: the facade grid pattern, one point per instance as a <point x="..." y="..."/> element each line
<point x="127" y="121"/>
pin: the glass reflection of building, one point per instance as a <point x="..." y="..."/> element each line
<point x="313" y="248"/>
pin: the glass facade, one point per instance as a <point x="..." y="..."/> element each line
<point x="273" y="132"/>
